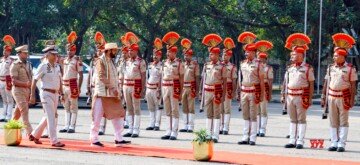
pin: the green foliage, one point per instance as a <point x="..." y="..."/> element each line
<point x="14" y="124"/>
<point x="201" y="136"/>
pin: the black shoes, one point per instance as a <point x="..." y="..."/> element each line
<point x="290" y="145"/>
<point x="150" y="128"/>
<point x="287" y="136"/>
<point x="299" y="146"/>
<point x="262" y="135"/>
<point x="252" y="143"/>
<point x="226" y="132"/>
<point x="165" y="137"/>
<point x="3" y="120"/>
<point x="97" y="144"/>
<point x="122" y="142"/>
<point x="134" y="135"/>
<point x="215" y="140"/>
<point x="44" y="136"/>
<point x="71" y="131"/>
<point x="127" y="135"/>
<point x="183" y="130"/>
<point x="126" y="126"/>
<point x="156" y="128"/>
<point x="243" y="142"/>
<point x="101" y="133"/>
<point x="341" y="149"/>
<point x="172" y="138"/>
<point x="63" y="130"/>
<point x="332" y="148"/>
<point x="190" y="131"/>
<point x="221" y="132"/>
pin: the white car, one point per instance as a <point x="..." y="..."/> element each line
<point x="35" y="61"/>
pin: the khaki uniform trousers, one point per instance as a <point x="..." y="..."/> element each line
<point x="8" y="101"/>
<point x="213" y="110"/>
<point x="21" y="96"/>
<point x="226" y="106"/>
<point x="70" y="104"/>
<point x="249" y="108"/>
<point x="152" y="99"/>
<point x="262" y="111"/>
<point x="339" y="117"/>
<point x="171" y="104"/>
<point x="132" y="103"/>
<point x="188" y="102"/>
<point x="296" y="110"/>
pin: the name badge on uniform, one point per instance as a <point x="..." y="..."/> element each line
<point x="344" y="71"/>
<point x="302" y="71"/>
<point x="174" y="66"/>
<point x="253" y="66"/>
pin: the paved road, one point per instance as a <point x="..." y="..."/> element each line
<point x="272" y="144"/>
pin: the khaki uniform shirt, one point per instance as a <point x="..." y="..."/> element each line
<point x="215" y="73"/>
<point x="251" y="71"/>
<point x="341" y="76"/>
<point x="5" y="66"/>
<point x="173" y="69"/>
<point x="191" y="71"/>
<point x="154" y="71"/>
<point x="231" y="71"/>
<point x="269" y="73"/>
<point x="134" y="68"/>
<point x="21" y="71"/>
<point x="72" y="66"/>
<point x="299" y="76"/>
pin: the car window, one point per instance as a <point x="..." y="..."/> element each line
<point x="35" y="62"/>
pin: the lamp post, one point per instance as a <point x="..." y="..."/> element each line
<point x="319" y="54"/>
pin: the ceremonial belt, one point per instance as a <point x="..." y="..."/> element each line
<point x="248" y="89"/>
<point x="345" y="94"/>
<point x="167" y="83"/>
<point x="20" y="86"/>
<point x="53" y="91"/>
<point x="188" y="83"/>
<point x="217" y="89"/>
<point x="152" y="86"/>
<point x="335" y="93"/>
<point x="295" y="91"/>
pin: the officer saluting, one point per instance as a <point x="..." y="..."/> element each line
<point x="340" y="87"/>
<point x="49" y="73"/>
<point x="300" y="88"/>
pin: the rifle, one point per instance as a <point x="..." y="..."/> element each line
<point x="203" y="80"/>
<point x="89" y="99"/>
<point x="326" y="106"/>
<point x="284" y="111"/>
<point x="239" y="89"/>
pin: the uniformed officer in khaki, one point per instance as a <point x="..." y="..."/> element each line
<point x="49" y="74"/>
<point x="300" y="89"/>
<point x="121" y="69"/>
<point x="214" y="77"/>
<point x="262" y="117"/>
<point x="133" y="85"/>
<point x="172" y="83"/>
<point x="72" y="81"/>
<point x="230" y="85"/>
<point x="341" y="77"/>
<point x="21" y="76"/>
<point x="5" y="80"/>
<point x="191" y="83"/>
<point x="153" y="87"/>
<point x="252" y="88"/>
